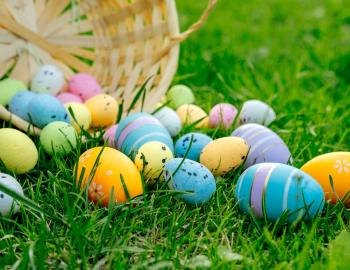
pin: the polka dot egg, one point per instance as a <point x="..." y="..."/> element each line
<point x="8" y="205"/>
<point x="19" y="104"/>
<point x="48" y="80"/>
<point x="222" y="116"/>
<point x="103" y="109"/>
<point x="84" y="86"/>
<point x="199" y="141"/>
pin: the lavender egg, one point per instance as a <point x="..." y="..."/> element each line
<point x="199" y="141"/>
<point x="19" y="104"/>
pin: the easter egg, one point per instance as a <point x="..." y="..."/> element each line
<point x="179" y="95"/>
<point x="110" y="135"/>
<point x="58" y="138"/>
<point x="170" y="120"/>
<point x="68" y="98"/>
<point x="199" y="141"/>
<point x="224" y="154"/>
<point x="84" y="85"/>
<point x="104" y="110"/>
<point x="336" y="165"/>
<point x="8" y="205"/>
<point x="19" y="104"/>
<point x="151" y="158"/>
<point x="79" y="115"/>
<point x="195" y="182"/>
<point x="273" y="189"/>
<point x="190" y="114"/>
<point x="256" y="111"/>
<point x="114" y="175"/>
<point x="17" y="151"/>
<point x="265" y="145"/>
<point x="9" y="88"/>
<point x="222" y="116"/>
<point x="48" y="80"/>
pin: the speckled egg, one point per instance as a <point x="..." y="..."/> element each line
<point x="109" y="135"/>
<point x="48" y="80"/>
<point x="8" y="205"/>
<point x="114" y="175"/>
<point x="17" y="151"/>
<point x="179" y="95"/>
<point x="19" y="104"/>
<point x="195" y="182"/>
<point x="68" y="98"/>
<point x="224" y="154"/>
<point x="222" y="116"/>
<point x="9" y="88"/>
<point x="79" y="115"/>
<point x="104" y="110"/>
<point x="199" y="141"/>
<point x="170" y="120"/>
<point x="256" y="111"/>
<point x="265" y="145"/>
<point x="273" y="190"/>
<point x="190" y="114"/>
<point x="84" y="85"/>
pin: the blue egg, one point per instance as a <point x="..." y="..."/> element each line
<point x="44" y="109"/>
<point x="199" y="141"/>
<point x="122" y="124"/>
<point x="274" y="189"/>
<point x="192" y="178"/>
<point x="19" y="104"/>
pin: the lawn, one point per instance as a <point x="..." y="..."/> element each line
<point x="292" y="54"/>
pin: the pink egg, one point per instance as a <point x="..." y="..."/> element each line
<point x="222" y="115"/>
<point x="68" y="97"/>
<point x="84" y="86"/>
<point x="110" y="135"/>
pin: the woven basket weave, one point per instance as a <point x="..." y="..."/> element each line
<point x="120" y="42"/>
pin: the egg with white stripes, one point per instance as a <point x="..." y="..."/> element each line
<point x="273" y="190"/>
<point x="264" y="145"/>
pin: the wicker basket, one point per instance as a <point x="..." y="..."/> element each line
<point x="119" y="42"/>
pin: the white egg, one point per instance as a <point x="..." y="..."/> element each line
<point x="7" y="204"/>
<point x="48" y="80"/>
<point x="256" y="111"/>
<point x="170" y="120"/>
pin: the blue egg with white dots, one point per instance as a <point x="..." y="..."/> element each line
<point x="19" y="104"/>
<point x="44" y="109"/>
<point x="199" y="141"/>
<point x="195" y="181"/>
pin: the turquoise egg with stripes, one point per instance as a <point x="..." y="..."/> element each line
<point x="273" y="190"/>
<point x="122" y="124"/>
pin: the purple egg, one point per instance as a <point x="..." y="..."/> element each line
<point x="222" y="115"/>
<point x="110" y="135"/>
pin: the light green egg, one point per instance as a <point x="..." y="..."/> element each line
<point x="179" y="95"/>
<point x="9" y="88"/>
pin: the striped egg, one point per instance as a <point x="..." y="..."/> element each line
<point x="273" y="190"/>
<point x="265" y="145"/>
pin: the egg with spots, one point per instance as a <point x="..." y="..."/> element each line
<point x="17" y="151"/>
<point x="109" y="135"/>
<point x="190" y="114"/>
<point x="79" y="115"/>
<point x="19" y="104"/>
<point x="224" y="155"/>
<point x="265" y="145"/>
<point x="150" y="160"/>
<point x="49" y="79"/>
<point x="114" y="176"/>
<point x="103" y="109"/>
<point x="9" y="88"/>
<point x="8" y="205"/>
<point x="222" y="116"/>
<point x="84" y="85"/>
<point x="273" y="190"/>
<point x="194" y="182"/>
<point x="170" y="120"/>
<point x="199" y="141"/>
<point x="69" y="98"/>
<point x="179" y="95"/>
<point x="256" y="111"/>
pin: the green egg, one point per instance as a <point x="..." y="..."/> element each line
<point x="179" y="95"/>
<point x="9" y="88"/>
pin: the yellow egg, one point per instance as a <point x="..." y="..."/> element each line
<point x="190" y="114"/>
<point x="81" y="118"/>
<point x="17" y="151"/>
<point x="103" y="109"/>
<point x="151" y="158"/>
<point x="223" y="155"/>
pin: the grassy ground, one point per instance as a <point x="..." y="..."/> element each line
<point x="295" y="55"/>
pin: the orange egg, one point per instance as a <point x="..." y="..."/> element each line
<point x="103" y="109"/>
<point x="111" y="165"/>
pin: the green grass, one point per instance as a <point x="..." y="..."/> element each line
<point x="293" y="54"/>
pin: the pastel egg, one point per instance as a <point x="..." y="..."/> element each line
<point x="336" y="165"/>
<point x="190" y="114"/>
<point x="224" y="154"/>
<point x="199" y="141"/>
<point x="79" y="115"/>
<point x="256" y="111"/>
<point x="103" y="109"/>
<point x="44" y="109"/>
<point x="84" y="85"/>
<point x="265" y="145"/>
<point x="58" y="138"/>
<point x="150" y="160"/>
<point x="273" y="190"/>
<point x="8" y="205"/>
<point x="19" y="104"/>
<point x="17" y="151"/>
<point x="170" y="120"/>
<point x="115" y="174"/>
<point x="222" y="116"/>
<point x="110" y="135"/>
<point x="9" y="88"/>
<point x="68" y="98"/>
<point x="195" y="183"/>
<point x="179" y="95"/>
<point x="48" y="80"/>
